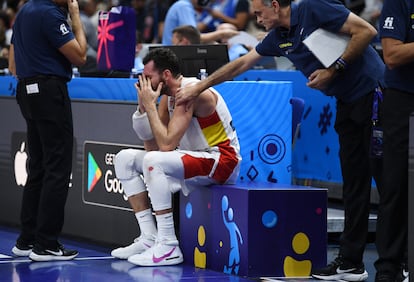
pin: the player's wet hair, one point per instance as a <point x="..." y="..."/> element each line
<point x="164" y="59"/>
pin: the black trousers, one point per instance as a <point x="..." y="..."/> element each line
<point x="46" y="107"/>
<point x="354" y="126"/>
<point x="392" y="221"/>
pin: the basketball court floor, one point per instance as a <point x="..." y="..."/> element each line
<point x="94" y="263"/>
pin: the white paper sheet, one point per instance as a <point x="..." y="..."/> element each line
<point x="326" y="46"/>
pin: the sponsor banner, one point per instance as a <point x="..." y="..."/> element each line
<point x="20" y="157"/>
<point x="100" y="185"/>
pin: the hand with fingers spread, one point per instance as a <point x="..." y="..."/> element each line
<point x="147" y="96"/>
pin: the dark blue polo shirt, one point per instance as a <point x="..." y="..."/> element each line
<point x="361" y="76"/>
<point x="397" y="21"/>
<point x="39" y="30"/>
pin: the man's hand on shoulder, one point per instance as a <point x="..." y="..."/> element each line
<point x="187" y="95"/>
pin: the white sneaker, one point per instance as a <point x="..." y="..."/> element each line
<point x="162" y="253"/>
<point x="20" y="252"/>
<point x="140" y="245"/>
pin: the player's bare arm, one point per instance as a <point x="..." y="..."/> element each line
<point x="226" y="72"/>
<point x="167" y="136"/>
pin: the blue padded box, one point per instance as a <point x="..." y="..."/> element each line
<point x="255" y="230"/>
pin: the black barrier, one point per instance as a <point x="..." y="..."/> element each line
<point x="87" y="216"/>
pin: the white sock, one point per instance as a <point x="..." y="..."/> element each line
<point x="165" y="224"/>
<point x="146" y="222"/>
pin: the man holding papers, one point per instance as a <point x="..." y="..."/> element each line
<point x="352" y="78"/>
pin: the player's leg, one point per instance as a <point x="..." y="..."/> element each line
<point x="128" y="169"/>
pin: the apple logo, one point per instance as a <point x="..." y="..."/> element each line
<point x="20" y="171"/>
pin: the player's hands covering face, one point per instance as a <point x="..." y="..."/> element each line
<point x="147" y="96"/>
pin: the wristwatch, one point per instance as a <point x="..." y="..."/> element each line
<point x="340" y="65"/>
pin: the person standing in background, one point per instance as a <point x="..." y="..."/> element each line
<point x="150" y="19"/>
<point x="41" y="58"/>
<point x="183" y="12"/>
<point x="235" y="12"/>
<point x="90" y="9"/>
<point x="91" y="32"/>
<point x="180" y="13"/>
<point x="5" y="29"/>
<point x="186" y="35"/>
<point x="396" y="28"/>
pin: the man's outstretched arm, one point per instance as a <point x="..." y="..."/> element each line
<point x="226" y="72"/>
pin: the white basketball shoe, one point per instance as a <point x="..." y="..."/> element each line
<point x="140" y="245"/>
<point x="166" y="252"/>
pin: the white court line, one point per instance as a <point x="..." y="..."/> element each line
<point x="29" y="260"/>
<point x="284" y="279"/>
<point x="93" y="258"/>
<point x="15" y="260"/>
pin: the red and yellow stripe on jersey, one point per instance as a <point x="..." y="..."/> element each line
<point x="213" y="129"/>
<point x="215" y="142"/>
<point x="215" y="134"/>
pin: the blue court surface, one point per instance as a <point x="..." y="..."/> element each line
<point x="94" y="263"/>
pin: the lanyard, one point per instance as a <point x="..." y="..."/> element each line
<point x="377" y="99"/>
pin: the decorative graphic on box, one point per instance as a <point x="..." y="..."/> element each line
<point x="269" y="219"/>
<point x="235" y="237"/>
<point x="272" y="149"/>
<point x="101" y="187"/>
<point x="298" y="268"/>
<point x="222" y="234"/>
<point x="265" y="141"/>
<point x="200" y="257"/>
